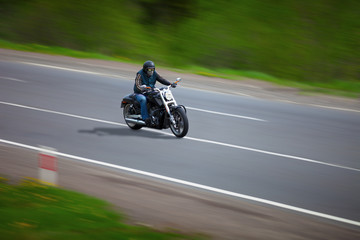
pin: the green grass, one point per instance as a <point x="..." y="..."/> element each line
<point x="56" y="51"/>
<point x="343" y="88"/>
<point x="34" y="211"/>
<point x="350" y="89"/>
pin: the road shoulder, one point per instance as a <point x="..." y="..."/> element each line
<point x="163" y="205"/>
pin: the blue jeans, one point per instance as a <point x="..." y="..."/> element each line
<point x="142" y="100"/>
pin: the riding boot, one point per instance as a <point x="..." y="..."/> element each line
<point x="148" y="122"/>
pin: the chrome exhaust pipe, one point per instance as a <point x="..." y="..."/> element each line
<point x="135" y="121"/>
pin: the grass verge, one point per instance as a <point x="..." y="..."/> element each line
<point x="350" y="89"/>
<point x="34" y="211"/>
<point x="342" y="88"/>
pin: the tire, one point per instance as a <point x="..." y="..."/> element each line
<point x="128" y="111"/>
<point x="181" y="126"/>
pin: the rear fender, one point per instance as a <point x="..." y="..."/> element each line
<point x="128" y="99"/>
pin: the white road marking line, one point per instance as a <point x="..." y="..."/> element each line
<point x="72" y="70"/>
<point x="226" y="114"/>
<point x="217" y="92"/>
<point x="191" y="184"/>
<point x="335" y="108"/>
<point x="189" y="138"/>
<point x="272" y="153"/>
<point x="94" y="65"/>
<point x="61" y="113"/>
<point x="12" y="79"/>
<point x="61" y="68"/>
<point x="320" y="106"/>
<point x="241" y="94"/>
<point x="286" y="101"/>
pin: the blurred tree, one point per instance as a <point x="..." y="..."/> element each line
<point x="302" y="40"/>
<point x="164" y="12"/>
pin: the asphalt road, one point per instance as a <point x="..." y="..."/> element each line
<point x="302" y="156"/>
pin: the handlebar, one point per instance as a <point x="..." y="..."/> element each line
<point x="159" y="89"/>
<point x="178" y="80"/>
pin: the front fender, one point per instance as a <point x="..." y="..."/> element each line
<point x="178" y="106"/>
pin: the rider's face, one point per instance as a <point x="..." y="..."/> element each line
<point x="150" y="71"/>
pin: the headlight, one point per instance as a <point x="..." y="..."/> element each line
<point x="168" y="96"/>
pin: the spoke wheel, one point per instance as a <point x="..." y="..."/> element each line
<point x="129" y="111"/>
<point x="181" y="126"/>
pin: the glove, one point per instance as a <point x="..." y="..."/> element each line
<point x="143" y="88"/>
<point x="173" y="85"/>
<point x="148" y="92"/>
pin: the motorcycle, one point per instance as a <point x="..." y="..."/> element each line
<point x="163" y="110"/>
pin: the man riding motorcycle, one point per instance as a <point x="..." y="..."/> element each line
<point x="145" y="80"/>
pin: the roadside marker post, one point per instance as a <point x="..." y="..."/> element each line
<point x="48" y="166"/>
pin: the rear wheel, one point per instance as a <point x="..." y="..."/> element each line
<point x="181" y="126"/>
<point x="128" y="110"/>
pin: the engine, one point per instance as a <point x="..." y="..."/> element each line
<point x="157" y="115"/>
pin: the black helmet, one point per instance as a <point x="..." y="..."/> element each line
<point x="148" y="64"/>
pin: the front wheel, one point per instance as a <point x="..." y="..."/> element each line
<point x="181" y="126"/>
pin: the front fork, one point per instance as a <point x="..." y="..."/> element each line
<point x="168" y="110"/>
<point x="172" y="119"/>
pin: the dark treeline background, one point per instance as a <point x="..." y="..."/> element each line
<point x="301" y="40"/>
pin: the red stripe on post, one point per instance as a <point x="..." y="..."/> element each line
<point x="47" y="162"/>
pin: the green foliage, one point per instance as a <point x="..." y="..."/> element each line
<point x="34" y="211"/>
<point x="308" y="41"/>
